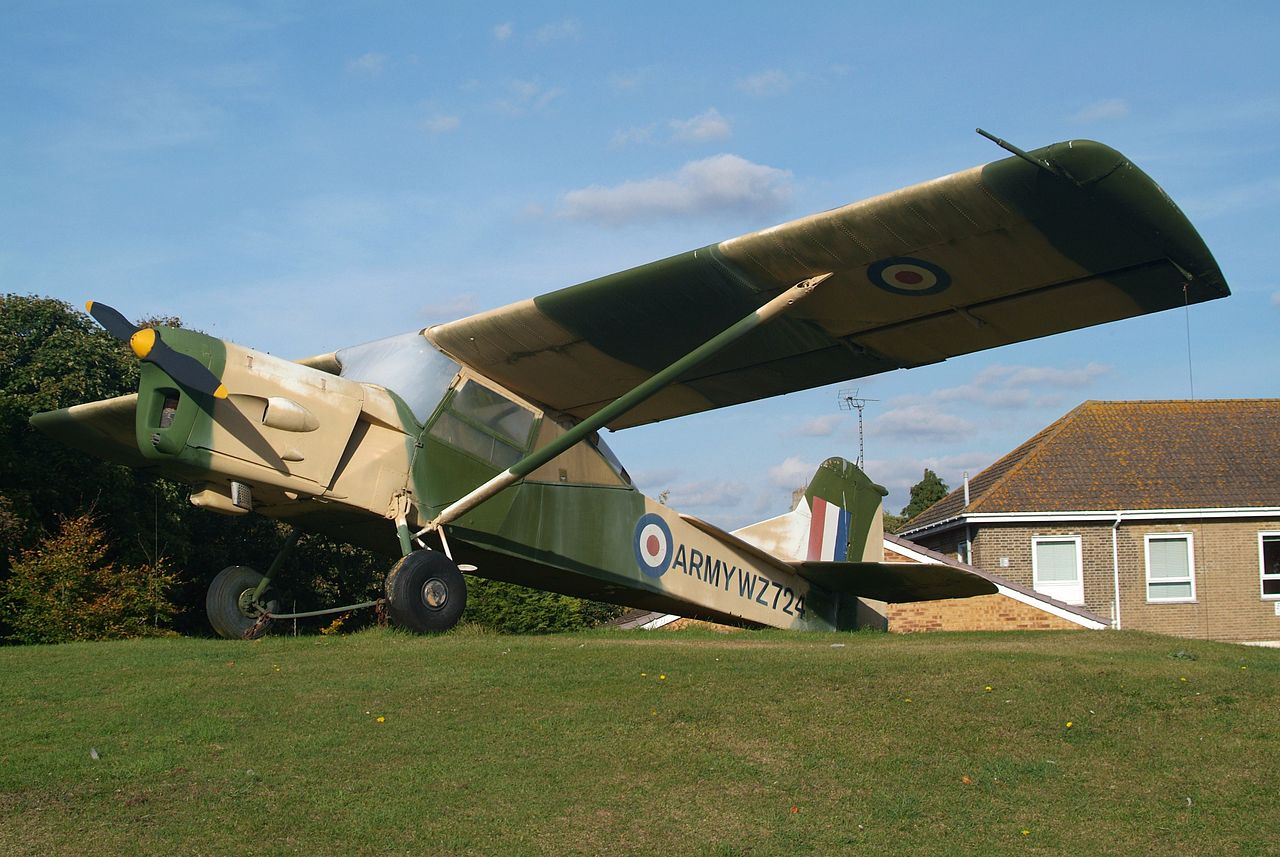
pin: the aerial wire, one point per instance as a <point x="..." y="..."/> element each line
<point x="1186" y="309"/>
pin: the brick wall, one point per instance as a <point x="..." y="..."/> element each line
<point x="982" y="613"/>
<point x="1228" y="604"/>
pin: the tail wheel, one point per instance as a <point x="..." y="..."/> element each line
<point x="231" y="607"/>
<point x="426" y="593"/>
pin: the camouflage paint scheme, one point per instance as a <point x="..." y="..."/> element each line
<point x="997" y="254"/>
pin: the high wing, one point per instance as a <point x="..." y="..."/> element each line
<point x="1007" y="252"/>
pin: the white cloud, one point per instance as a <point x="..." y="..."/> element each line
<point x="370" y="64"/>
<point x="624" y="81"/>
<point x="1013" y="387"/>
<point x="525" y="96"/>
<point x="567" y="28"/>
<point x="721" y="183"/>
<point x="440" y="123"/>
<point x="707" y="493"/>
<point x="1108" y="108"/>
<point x="503" y="31"/>
<point x="921" y="422"/>
<point x="705" y="127"/>
<point x="823" y="426"/>
<point x="1048" y="376"/>
<point x="630" y="136"/>
<point x="770" y="82"/>
<point x="791" y="473"/>
<point x="899" y="474"/>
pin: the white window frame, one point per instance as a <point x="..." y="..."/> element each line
<point x="1052" y="589"/>
<point x="1191" y="567"/>
<point x="1262" y="567"/>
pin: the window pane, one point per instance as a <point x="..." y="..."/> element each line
<point x="1271" y="586"/>
<point x="1271" y="555"/>
<point x="468" y="438"/>
<point x="1161" y="590"/>
<point x="1168" y="558"/>
<point x="493" y="411"/>
<point x="1056" y="562"/>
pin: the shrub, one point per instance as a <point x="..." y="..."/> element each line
<point x="513" y="609"/>
<point x="64" y="589"/>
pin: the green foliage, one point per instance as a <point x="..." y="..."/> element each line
<point x="893" y="523"/>
<point x="929" y="490"/>
<point x="65" y="589"/>
<point x="513" y="609"/>
<point x="52" y="356"/>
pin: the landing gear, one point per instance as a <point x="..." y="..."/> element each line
<point x="234" y="611"/>
<point x="426" y="592"/>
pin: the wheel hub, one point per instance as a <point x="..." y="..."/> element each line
<point x="249" y="607"/>
<point x="435" y="594"/>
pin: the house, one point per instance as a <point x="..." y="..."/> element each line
<point x="1160" y="516"/>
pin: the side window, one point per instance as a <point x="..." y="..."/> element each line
<point x="1269" y="557"/>
<point x="485" y="424"/>
<point x="598" y="444"/>
<point x="1056" y="568"/>
<point x="1170" y="567"/>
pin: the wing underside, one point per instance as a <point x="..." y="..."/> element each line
<point x="993" y="255"/>
<point x="895" y="582"/>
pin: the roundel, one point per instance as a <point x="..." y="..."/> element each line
<point x="653" y="545"/>
<point x="904" y="275"/>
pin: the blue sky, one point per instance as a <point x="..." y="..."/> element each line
<point x="302" y="176"/>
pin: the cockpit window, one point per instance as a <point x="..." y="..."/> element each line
<point x="598" y="444"/>
<point x="408" y="365"/>
<point x="493" y="411"/>
<point x="485" y="424"/>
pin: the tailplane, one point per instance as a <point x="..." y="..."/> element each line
<point x="838" y="519"/>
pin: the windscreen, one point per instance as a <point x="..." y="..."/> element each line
<point x="407" y="365"/>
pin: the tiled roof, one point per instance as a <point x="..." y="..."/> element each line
<point x="1222" y="453"/>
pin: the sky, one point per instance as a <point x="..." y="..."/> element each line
<point x="298" y="177"/>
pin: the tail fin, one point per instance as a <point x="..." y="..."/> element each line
<point x="838" y="519"/>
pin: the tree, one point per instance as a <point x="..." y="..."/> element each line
<point x="66" y="589"/>
<point x="929" y="490"/>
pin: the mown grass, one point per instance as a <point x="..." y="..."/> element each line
<point x="650" y="743"/>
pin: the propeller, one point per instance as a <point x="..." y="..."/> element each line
<point x="147" y="344"/>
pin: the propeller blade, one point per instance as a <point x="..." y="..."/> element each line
<point x="185" y="369"/>
<point x="148" y="345"/>
<point x="112" y="320"/>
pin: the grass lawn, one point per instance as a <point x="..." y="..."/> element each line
<point x="642" y="742"/>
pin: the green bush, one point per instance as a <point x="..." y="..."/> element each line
<point x="64" y="589"/>
<point x="512" y="609"/>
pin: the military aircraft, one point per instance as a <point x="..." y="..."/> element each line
<point x="474" y="445"/>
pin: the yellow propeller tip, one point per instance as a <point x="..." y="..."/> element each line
<point x="88" y="306"/>
<point x="221" y="392"/>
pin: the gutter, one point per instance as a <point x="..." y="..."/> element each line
<point x="1115" y="570"/>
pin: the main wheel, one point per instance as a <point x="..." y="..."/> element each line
<point x="426" y="593"/>
<point x="230" y="605"/>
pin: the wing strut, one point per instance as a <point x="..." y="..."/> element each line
<point x="649" y="387"/>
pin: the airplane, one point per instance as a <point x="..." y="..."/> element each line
<point x="474" y="446"/>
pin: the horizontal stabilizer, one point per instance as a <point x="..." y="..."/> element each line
<point x="104" y="428"/>
<point x="895" y="582"/>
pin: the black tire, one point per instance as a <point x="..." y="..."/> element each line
<point x="426" y="593"/>
<point x="223" y="604"/>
